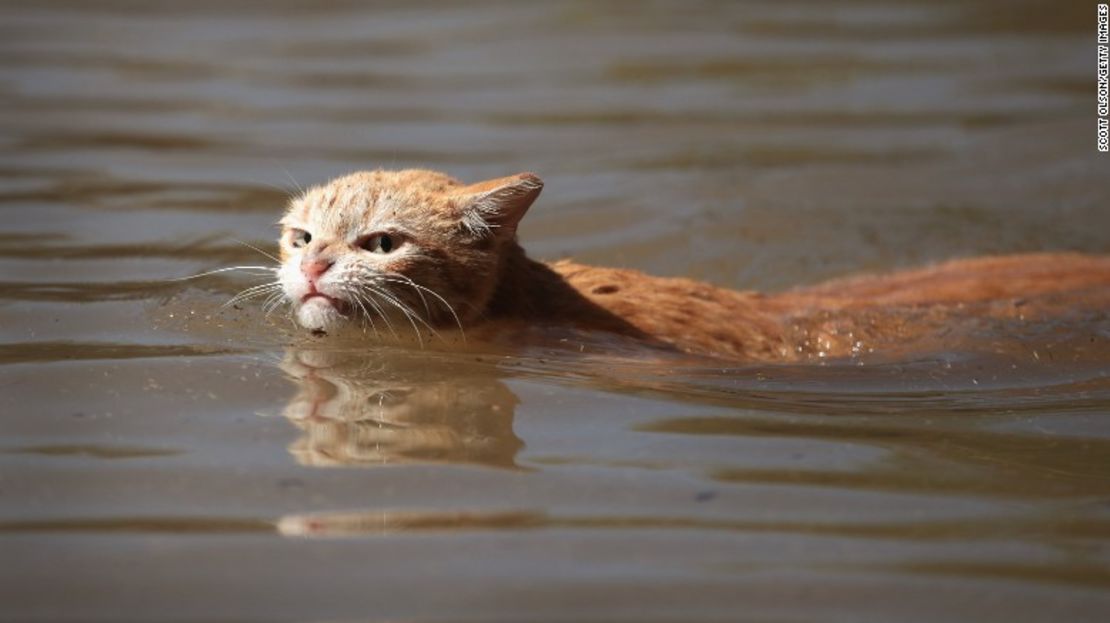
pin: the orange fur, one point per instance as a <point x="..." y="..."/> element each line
<point x="460" y="243"/>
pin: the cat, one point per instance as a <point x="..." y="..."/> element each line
<point x="420" y="250"/>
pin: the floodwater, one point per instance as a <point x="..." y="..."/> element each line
<point x="166" y="458"/>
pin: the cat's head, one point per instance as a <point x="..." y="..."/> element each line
<point x="399" y="247"/>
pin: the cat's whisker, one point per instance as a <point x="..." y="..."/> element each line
<point x="404" y="311"/>
<point x="269" y="307"/>
<point x="450" y="309"/>
<point x="248" y="293"/>
<point x="273" y="302"/>
<point x="262" y="286"/>
<point x="373" y="325"/>
<point x="242" y="298"/>
<point x="412" y="312"/>
<point x="352" y="286"/>
<point x="252" y="292"/>
<point x="420" y="340"/>
<point x="267" y="269"/>
<point x="365" y="313"/>
<point x="281" y="189"/>
<point x="377" y="308"/>
<point x="381" y="313"/>
<point x="399" y="278"/>
<point x="270" y="299"/>
<point x="293" y="179"/>
<point x="251" y="246"/>
<point x="411" y="315"/>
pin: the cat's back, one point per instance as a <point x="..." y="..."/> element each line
<point x="691" y="315"/>
<point x="1022" y="277"/>
<point x="698" y="317"/>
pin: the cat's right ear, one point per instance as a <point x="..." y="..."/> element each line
<point x="496" y="206"/>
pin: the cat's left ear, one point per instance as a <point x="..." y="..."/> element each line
<point x="496" y="206"/>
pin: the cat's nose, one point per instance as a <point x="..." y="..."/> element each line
<point x="314" y="267"/>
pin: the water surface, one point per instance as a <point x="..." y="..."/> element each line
<point x="166" y="458"/>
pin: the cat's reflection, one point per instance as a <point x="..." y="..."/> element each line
<point x="389" y="407"/>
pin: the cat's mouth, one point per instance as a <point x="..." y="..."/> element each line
<point x="341" y="306"/>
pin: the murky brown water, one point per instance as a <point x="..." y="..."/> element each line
<point x="165" y="459"/>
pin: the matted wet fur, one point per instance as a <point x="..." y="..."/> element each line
<point x="417" y="252"/>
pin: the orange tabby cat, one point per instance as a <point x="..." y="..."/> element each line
<point x="421" y="250"/>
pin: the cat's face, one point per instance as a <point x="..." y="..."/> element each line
<point x="398" y="249"/>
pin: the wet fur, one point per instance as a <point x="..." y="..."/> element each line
<point x="460" y="244"/>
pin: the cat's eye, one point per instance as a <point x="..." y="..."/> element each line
<point x="380" y="243"/>
<point x="300" y="238"/>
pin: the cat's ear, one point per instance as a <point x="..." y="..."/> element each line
<point x="496" y="206"/>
